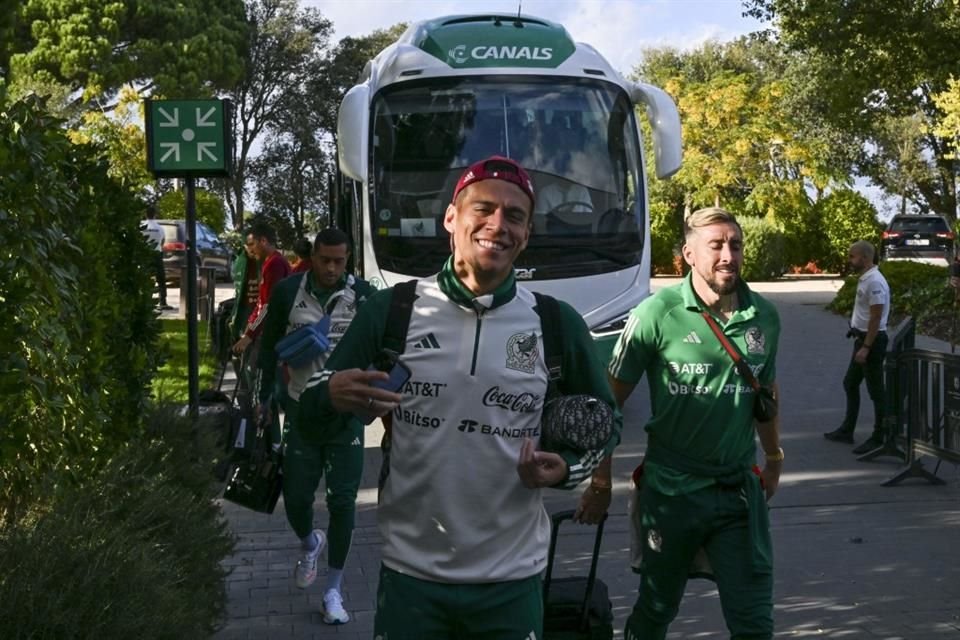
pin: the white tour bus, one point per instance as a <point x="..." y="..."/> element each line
<point x="457" y="89"/>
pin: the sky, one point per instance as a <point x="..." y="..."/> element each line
<point x="619" y="29"/>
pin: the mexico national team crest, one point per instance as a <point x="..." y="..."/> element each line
<point x="522" y="352"/>
<point x="756" y="343"/>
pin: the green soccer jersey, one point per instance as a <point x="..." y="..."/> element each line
<point x="700" y="405"/>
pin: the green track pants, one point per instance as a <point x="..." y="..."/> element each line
<point x="673" y="529"/>
<point x="304" y="464"/>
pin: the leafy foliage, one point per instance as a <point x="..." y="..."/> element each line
<point x="880" y="61"/>
<point x="755" y="144"/>
<point x="285" y="45"/>
<point x="762" y="249"/>
<point x="133" y="551"/>
<point x="845" y="217"/>
<point x="75" y="350"/>
<point x="209" y="207"/>
<point x="184" y="49"/>
<point x="916" y="289"/>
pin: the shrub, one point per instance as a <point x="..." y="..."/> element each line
<point x="916" y="289"/>
<point x="134" y="551"/>
<point x="666" y="236"/>
<point x="763" y="257"/>
<point x="845" y="217"/>
<point x="76" y="353"/>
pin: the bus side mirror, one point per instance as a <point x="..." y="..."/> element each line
<point x="353" y="132"/>
<point x="665" y="121"/>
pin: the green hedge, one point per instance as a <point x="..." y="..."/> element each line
<point x="75" y="345"/>
<point x="916" y="289"/>
<point x="133" y="551"/>
<point x="763" y="249"/>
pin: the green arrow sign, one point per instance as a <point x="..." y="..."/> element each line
<point x="188" y="137"/>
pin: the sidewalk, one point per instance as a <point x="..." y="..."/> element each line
<point x="853" y="559"/>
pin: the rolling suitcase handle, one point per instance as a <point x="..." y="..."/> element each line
<point x="555" y="521"/>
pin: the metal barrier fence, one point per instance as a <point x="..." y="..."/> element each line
<point x="902" y="339"/>
<point x="931" y="397"/>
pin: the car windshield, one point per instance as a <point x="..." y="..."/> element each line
<point x="920" y="224"/>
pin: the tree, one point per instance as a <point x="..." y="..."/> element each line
<point x="343" y="68"/>
<point x="286" y="44"/>
<point x="291" y="175"/>
<point x="119" y="139"/>
<point x="752" y="142"/>
<point x="189" y="48"/>
<point x="172" y="205"/>
<point x="880" y="60"/>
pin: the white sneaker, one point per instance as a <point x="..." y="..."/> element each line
<point x="306" y="570"/>
<point x="333" y="611"/>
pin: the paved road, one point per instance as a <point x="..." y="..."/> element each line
<point x="853" y="559"/>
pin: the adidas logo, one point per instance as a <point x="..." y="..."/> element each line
<point x="302" y="304"/>
<point x="693" y="338"/>
<point x="356" y="442"/>
<point x="428" y="342"/>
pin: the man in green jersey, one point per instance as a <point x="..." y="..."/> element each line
<point x="465" y="532"/>
<point x="698" y="488"/>
<point x="332" y="447"/>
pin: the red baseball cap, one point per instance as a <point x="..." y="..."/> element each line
<point x="495" y="168"/>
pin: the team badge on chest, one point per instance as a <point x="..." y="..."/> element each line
<point x="522" y="352"/>
<point x="755" y="340"/>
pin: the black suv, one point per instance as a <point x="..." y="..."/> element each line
<point x="211" y="250"/>
<point x="924" y="238"/>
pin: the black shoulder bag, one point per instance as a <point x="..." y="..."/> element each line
<point x="764" y="400"/>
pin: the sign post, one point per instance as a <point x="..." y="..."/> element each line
<point x="189" y="139"/>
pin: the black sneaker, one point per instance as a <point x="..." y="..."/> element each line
<point x="868" y="445"/>
<point x="839" y="435"/>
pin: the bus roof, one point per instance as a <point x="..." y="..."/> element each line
<point x="475" y="44"/>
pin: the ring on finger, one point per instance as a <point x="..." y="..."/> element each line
<point x="369" y="402"/>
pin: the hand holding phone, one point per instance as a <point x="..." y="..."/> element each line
<point x="386" y="361"/>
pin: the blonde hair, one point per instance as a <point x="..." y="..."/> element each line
<point x="706" y="217"/>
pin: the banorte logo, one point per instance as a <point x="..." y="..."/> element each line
<point x="461" y="54"/>
<point x="519" y="402"/>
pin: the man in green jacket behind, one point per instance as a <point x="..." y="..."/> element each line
<point x="333" y="447"/>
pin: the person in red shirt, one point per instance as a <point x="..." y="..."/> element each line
<point x="262" y="243"/>
<point x="302" y="248"/>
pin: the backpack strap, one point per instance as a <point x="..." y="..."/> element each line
<point x="398" y="317"/>
<point x="549" y="311"/>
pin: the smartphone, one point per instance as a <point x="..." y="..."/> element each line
<point x="400" y="373"/>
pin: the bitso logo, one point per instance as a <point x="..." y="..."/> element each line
<point x="522" y="352"/>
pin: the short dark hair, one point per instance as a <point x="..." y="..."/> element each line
<point x="302" y="248"/>
<point x="331" y="237"/>
<point x="261" y="229"/>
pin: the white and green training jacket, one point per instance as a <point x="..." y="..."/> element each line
<point x="453" y="509"/>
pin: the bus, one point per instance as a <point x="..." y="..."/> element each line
<point x="457" y="89"/>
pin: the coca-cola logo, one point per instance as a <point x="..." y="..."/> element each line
<point x="519" y="402"/>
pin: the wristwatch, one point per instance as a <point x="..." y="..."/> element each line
<point x="776" y="456"/>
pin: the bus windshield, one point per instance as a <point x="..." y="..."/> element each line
<point x="577" y="138"/>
